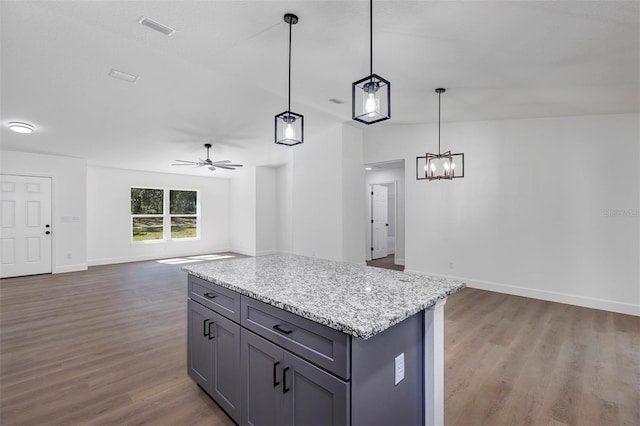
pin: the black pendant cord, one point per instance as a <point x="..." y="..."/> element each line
<point x="289" y="109"/>
<point x="439" y="95"/>
<point x="370" y="37"/>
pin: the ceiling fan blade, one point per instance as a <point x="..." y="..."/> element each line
<point x="187" y="161"/>
<point x="233" y="165"/>
<point x="212" y="168"/>
<point x="225" y="167"/>
<point x="222" y="162"/>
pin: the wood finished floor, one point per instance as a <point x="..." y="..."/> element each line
<point x="387" y="262"/>
<point x="108" y="346"/>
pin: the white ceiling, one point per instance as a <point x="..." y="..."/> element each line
<point x="223" y="76"/>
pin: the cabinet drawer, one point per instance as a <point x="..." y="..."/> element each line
<point x="223" y="301"/>
<point x="323" y="346"/>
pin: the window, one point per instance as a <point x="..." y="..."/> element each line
<point x="183" y="211"/>
<point x="163" y="214"/>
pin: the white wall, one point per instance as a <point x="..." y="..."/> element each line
<point x="284" y="207"/>
<point x="548" y="207"/>
<point x="317" y="195"/>
<point x="242" y="209"/>
<point x="69" y="192"/>
<point x="383" y="176"/>
<point x="109" y="215"/>
<point x="353" y="216"/>
<point x="266" y="211"/>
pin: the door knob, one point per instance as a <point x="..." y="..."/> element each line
<point x="47" y="226"/>
<point x="48" y="232"/>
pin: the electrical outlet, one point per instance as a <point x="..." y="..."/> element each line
<point x="399" y="368"/>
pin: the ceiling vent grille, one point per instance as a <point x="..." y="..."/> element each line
<point x="121" y="75"/>
<point x="156" y="26"/>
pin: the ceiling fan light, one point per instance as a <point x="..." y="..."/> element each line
<point x="20" y="127"/>
<point x="211" y="165"/>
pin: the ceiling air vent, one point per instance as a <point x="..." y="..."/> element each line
<point x="121" y="75"/>
<point x="156" y="26"/>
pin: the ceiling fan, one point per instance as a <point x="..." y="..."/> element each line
<point x="224" y="164"/>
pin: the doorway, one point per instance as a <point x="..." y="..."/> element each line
<point x="25" y="225"/>
<point x="385" y="206"/>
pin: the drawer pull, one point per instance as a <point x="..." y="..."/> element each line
<point x="285" y="389"/>
<point x="275" y="374"/>
<point x="282" y="330"/>
<point x="210" y="295"/>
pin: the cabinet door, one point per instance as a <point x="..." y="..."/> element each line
<point x="199" y="348"/>
<point x="225" y="378"/>
<point x="312" y="396"/>
<point x="262" y="366"/>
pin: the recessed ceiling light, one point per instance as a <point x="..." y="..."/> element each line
<point x="336" y="101"/>
<point x="154" y="25"/>
<point x="20" y="127"/>
<point x="367" y="168"/>
<point x="121" y="75"/>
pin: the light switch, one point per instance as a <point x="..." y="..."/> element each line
<point x="399" y="368"/>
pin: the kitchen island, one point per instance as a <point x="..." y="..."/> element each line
<point x="286" y="339"/>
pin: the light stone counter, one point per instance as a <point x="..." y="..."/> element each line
<point x="361" y="301"/>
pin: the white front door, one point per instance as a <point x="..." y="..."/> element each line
<point x="379" y="221"/>
<point x="25" y="225"/>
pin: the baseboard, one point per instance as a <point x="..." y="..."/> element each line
<point x="69" y="268"/>
<point x="251" y="253"/>
<point x="551" y="296"/>
<point x="114" y="260"/>
<point x="267" y="252"/>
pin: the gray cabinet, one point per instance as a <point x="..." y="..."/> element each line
<point x="279" y="388"/>
<point x="213" y="352"/>
<point x="265" y="366"/>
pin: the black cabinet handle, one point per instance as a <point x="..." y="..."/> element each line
<point x="204" y="328"/>
<point x="211" y="336"/>
<point x="275" y="374"/>
<point x="282" y="330"/>
<point x="48" y="232"/>
<point x="210" y="295"/>
<point x="285" y="389"/>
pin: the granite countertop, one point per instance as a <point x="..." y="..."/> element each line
<point x="355" y="299"/>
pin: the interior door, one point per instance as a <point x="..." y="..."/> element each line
<point x="379" y="221"/>
<point x="25" y="225"/>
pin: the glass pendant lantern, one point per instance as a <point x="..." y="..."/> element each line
<point x="289" y="126"/>
<point x="371" y="95"/>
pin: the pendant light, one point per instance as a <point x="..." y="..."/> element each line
<point x="289" y="126"/>
<point x="371" y="96"/>
<point x="443" y="165"/>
